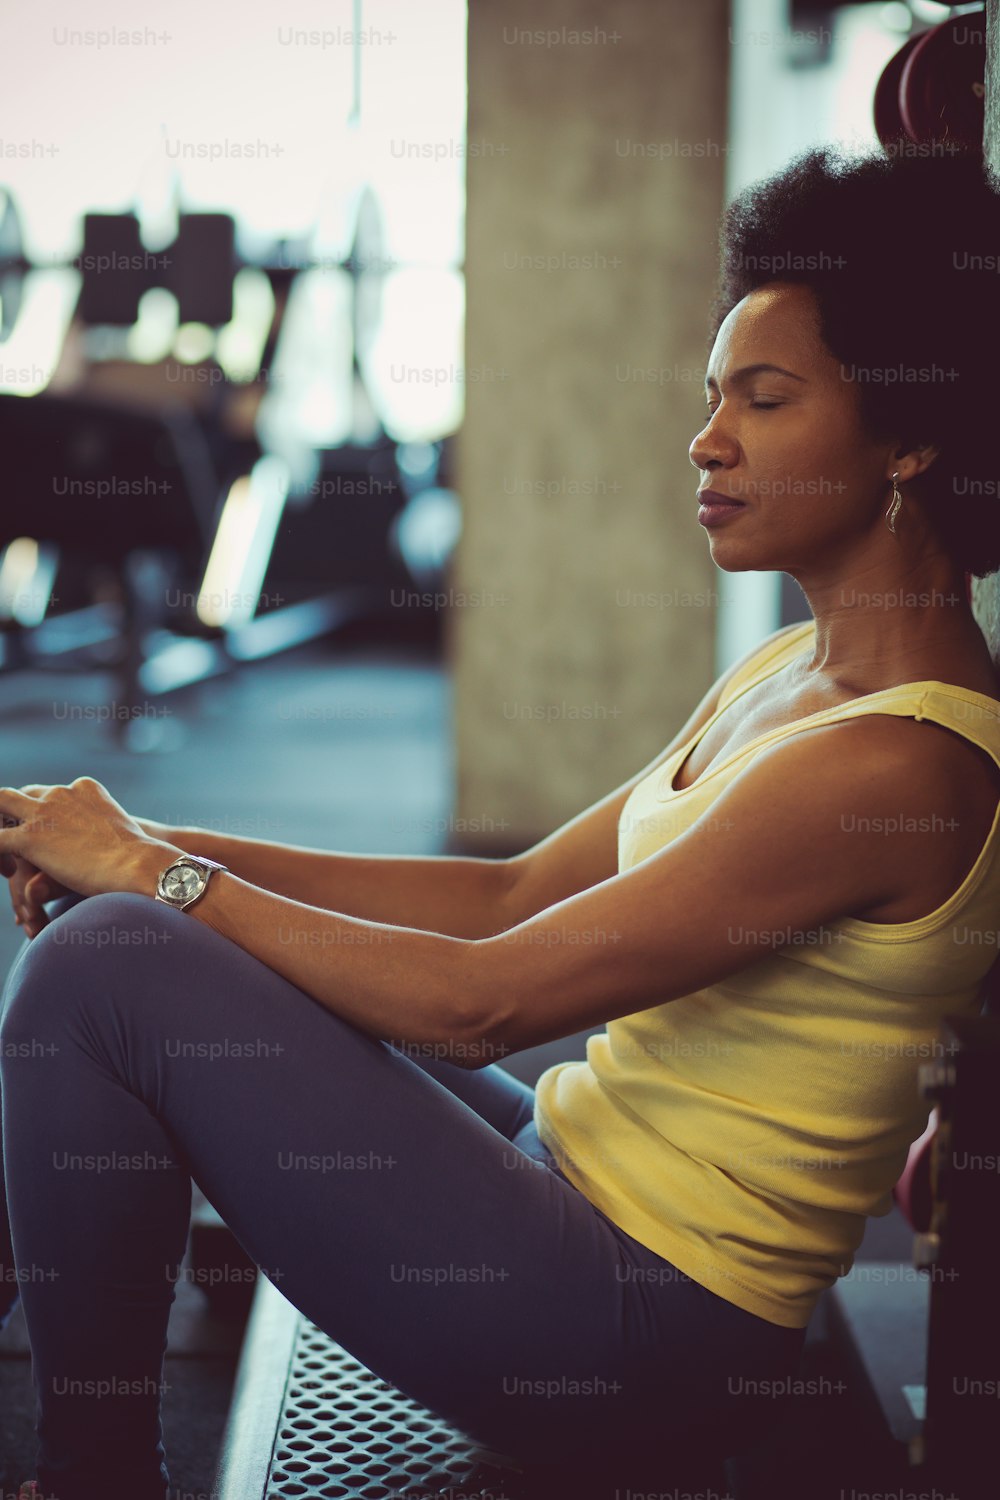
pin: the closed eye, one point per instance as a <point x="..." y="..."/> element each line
<point x="759" y="405"/>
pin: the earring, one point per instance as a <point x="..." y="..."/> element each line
<point x="897" y="500"/>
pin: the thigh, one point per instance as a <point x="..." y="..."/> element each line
<point x="504" y="1101"/>
<point x="497" y="1097"/>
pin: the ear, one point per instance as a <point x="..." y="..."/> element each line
<point x="909" y="462"/>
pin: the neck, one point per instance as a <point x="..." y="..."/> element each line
<point x="893" y="621"/>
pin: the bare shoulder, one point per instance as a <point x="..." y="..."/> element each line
<point x="920" y="758"/>
<point x="934" y="751"/>
<point x="921" y="796"/>
<point x="872" y="817"/>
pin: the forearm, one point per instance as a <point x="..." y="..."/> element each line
<point x="412" y="988"/>
<point x="463" y="897"/>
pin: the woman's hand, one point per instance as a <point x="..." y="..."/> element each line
<point x="29" y="886"/>
<point x="75" y="838"/>
<point x="29" y="889"/>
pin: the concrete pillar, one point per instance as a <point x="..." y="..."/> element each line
<point x="986" y="591"/>
<point x="582" y="628"/>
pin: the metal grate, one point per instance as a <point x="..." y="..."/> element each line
<point x="308" y="1421"/>
<point x="345" y="1434"/>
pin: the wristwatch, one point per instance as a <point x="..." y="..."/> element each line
<point x="183" y="882"/>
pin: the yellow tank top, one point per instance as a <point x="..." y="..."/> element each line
<point x="745" y="1131"/>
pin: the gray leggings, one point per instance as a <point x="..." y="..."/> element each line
<point x="403" y="1203"/>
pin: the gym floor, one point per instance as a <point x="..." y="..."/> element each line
<point x="339" y="745"/>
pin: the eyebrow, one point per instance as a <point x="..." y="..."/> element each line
<point x="746" y="371"/>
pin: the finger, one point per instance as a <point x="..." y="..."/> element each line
<point x="24" y="871"/>
<point x="39" y="888"/>
<point x="16" y="804"/>
<point x="11" y="836"/>
<point x="28" y="891"/>
<point x="20" y="817"/>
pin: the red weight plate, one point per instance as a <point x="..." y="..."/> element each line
<point x="941" y="92"/>
<point x="888" y="119"/>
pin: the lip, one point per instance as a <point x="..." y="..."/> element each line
<point x="714" y="508"/>
<point x="716" y="497"/>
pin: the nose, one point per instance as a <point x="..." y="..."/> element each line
<point x="712" y="448"/>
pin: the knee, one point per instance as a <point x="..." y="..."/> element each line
<point x="46" y="980"/>
<point x="66" y="903"/>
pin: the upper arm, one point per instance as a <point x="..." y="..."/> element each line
<point x="584" y="851"/>
<point x="772" y="857"/>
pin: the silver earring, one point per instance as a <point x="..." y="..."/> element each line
<point x="897" y="500"/>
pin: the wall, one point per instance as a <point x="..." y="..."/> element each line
<point x="582" y="627"/>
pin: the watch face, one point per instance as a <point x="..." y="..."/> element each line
<point x="181" y="882"/>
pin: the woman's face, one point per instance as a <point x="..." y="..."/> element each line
<point x="788" y="442"/>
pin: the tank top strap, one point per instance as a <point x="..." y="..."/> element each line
<point x="972" y="715"/>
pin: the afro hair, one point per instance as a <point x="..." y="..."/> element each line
<point x="901" y="248"/>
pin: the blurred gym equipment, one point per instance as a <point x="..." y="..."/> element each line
<point x="152" y="522"/>
<point x="922" y="1339"/>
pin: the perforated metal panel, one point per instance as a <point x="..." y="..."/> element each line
<point x="345" y="1433"/>
<point x="309" y="1422"/>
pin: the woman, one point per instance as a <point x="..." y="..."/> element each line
<point x="624" y="1261"/>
